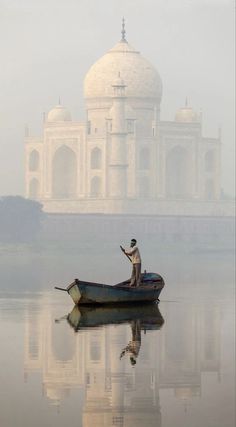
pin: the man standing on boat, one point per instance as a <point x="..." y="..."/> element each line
<point x="135" y="258"/>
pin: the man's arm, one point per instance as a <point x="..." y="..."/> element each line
<point x="131" y="251"/>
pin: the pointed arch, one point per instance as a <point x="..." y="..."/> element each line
<point x="34" y="161"/>
<point x="209" y="189"/>
<point x="210" y="161"/>
<point x="34" y="189"/>
<point x="95" y="349"/>
<point x="177" y="173"/>
<point x="144" y="187"/>
<point x="96" y="158"/>
<point x="64" y="173"/>
<point x="62" y="350"/>
<point x="96" y="187"/>
<point x="144" y="159"/>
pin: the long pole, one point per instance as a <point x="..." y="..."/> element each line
<point x="125" y="253"/>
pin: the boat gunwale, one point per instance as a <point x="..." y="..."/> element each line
<point x="158" y="284"/>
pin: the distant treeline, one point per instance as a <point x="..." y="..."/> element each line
<point x="20" y="219"/>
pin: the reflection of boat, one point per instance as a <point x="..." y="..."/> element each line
<point x="96" y="293"/>
<point x="87" y="317"/>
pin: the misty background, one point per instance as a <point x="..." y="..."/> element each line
<point x="48" y="46"/>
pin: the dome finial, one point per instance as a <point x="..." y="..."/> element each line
<point x="123" y="31"/>
<point x="186" y="101"/>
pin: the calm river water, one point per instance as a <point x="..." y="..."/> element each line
<point x="170" y="365"/>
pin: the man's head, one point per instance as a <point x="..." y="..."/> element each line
<point x="133" y="242"/>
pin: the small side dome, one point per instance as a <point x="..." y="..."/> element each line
<point x="59" y="114"/>
<point x="186" y="115"/>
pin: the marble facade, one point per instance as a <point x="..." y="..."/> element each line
<point x="123" y="159"/>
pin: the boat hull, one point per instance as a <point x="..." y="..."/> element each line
<point x="85" y="293"/>
<point x="92" y="317"/>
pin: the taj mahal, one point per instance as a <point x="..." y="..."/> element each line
<point x="124" y="159"/>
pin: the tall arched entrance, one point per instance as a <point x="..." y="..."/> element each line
<point x="210" y="161"/>
<point x="144" y="159"/>
<point x="96" y="187"/>
<point x="64" y="173"/>
<point x="34" y="160"/>
<point x="96" y="158"/>
<point x="209" y="190"/>
<point x="144" y="187"/>
<point x="177" y="180"/>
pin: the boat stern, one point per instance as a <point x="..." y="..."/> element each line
<point x="74" y="292"/>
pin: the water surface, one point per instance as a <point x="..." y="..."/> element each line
<point x="172" y="366"/>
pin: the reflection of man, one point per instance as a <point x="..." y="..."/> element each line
<point x="134" y="255"/>
<point x="134" y="345"/>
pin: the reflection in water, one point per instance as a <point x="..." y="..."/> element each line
<point x="139" y="317"/>
<point x="87" y="317"/>
<point x="132" y="349"/>
<point x="119" y="390"/>
<point x="187" y="353"/>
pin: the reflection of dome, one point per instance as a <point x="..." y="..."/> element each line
<point x="186" y="115"/>
<point x="185" y="393"/>
<point x="59" y="114"/>
<point x="54" y="393"/>
<point x="140" y="77"/>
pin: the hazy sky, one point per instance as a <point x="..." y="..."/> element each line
<point x="47" y="46"/>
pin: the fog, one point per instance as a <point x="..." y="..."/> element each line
<point x="116" y="175"/>
<point x="48" y="46"/>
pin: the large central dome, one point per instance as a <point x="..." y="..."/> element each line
<point x="140" y="77"/>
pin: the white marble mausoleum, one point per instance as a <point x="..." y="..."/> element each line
<point x="124" y="159"/>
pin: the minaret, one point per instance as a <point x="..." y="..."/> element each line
<point x="117" y="187"/>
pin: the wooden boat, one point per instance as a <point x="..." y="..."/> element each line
<point x="83" y="292"/>
<point x="92" y="317"/>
